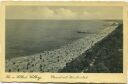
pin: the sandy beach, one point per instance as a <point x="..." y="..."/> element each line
<point x="55" y="60"/>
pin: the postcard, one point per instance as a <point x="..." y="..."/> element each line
<point x="69" y="42"/>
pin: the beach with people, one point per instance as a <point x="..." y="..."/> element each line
<point x="56" y="60"/>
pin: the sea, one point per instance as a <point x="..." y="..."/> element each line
<point x="28" y="37"/>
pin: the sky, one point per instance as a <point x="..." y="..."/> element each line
<point x="64" y="12"/>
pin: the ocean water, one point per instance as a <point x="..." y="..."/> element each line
<point x="27" y="37"/>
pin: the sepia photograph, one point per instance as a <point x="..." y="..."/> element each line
<point x="63" y="42"/>
<point x="64" y="39"/>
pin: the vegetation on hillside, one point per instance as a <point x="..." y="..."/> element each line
<point x="104" y="56"/>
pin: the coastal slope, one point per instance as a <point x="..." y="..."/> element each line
<point x="106" y="56"/>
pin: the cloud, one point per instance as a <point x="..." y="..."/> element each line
<point x="65" y="13"/>
<point x="40" y="12"/>
<point x="59" y="13"/>
<point x="44" y="13"/>
<point x="47" y="12"/>
<point x="86" y="13"/>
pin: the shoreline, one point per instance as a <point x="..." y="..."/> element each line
<point x="53" y="61"/>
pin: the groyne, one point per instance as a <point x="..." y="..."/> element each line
<point x="57" y="60"/>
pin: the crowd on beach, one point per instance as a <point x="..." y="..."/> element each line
<point x="54" y="60"/>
